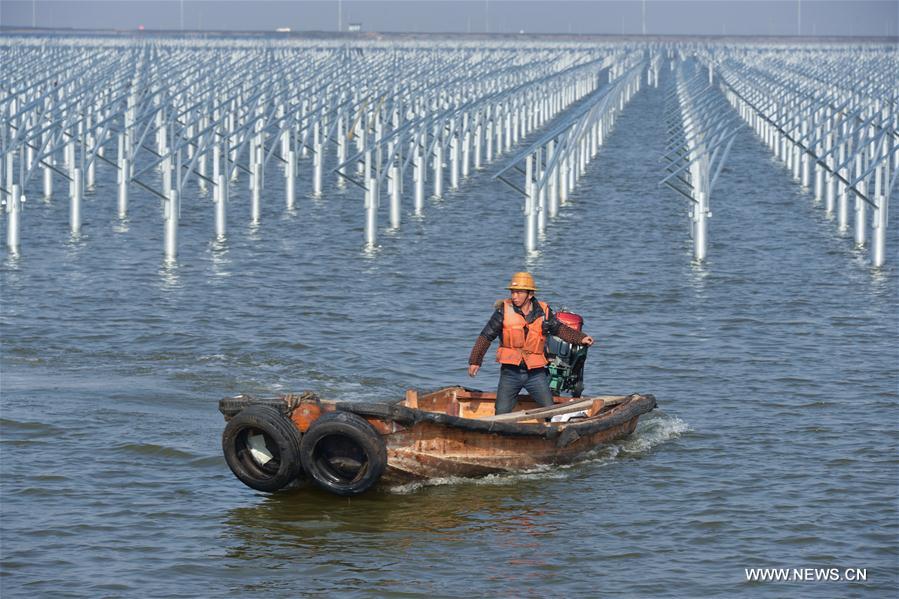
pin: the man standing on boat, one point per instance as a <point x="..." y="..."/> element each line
<point x="523" y="322"/>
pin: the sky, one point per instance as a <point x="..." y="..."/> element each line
<point x="662" y="17"/>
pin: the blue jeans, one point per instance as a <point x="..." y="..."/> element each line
<point x="511" y="381"/>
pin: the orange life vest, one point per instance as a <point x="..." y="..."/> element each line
<point x="516" y="345"/>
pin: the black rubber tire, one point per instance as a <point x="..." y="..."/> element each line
<point x="282" y="439"/>
<point x="342" y="453"/>
<point x="232" y="406"/>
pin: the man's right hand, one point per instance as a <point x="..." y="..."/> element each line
<point x="473" y="369"/>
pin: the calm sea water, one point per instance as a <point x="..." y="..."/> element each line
<point x="774" y="366"/>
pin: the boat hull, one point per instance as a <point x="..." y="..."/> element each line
<point x="429" y="450"/>
<point x="348" y="447"/>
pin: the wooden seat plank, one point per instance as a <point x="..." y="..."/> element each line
<point x="572" y="406"/>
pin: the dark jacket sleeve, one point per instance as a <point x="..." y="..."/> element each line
<point x="566" y="333"/>
<point x="492" y="330"/>
<point x="494" y="326"/>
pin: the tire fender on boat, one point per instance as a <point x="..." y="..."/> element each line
<point x="342" y="453"/>
<point x="262" y="448"/>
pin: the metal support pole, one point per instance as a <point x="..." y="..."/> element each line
<point x="881" y="199"/>
<point x="290" y="179"/>
<point x="216" y="161"/>
<point x="530" y="212"/>
<point x="13" y="210"/>
<point x="418" y="176"/>
<point x="583" y="155"/>
<point x="48" y="183"/>
<point x="318" y="161"/>
<point x="172" y="212"/>
<point x="541" y="209"/>
<point x="454" y="162"/>
<point x="124" y="177"/>
<point x="819" y="183"/>
<point x="221" y="204"/>
<point x="166" y="175"/>
<point x="371" y="212"/>
<point x="541" y="193"/>
<point x="514" y="124"/>
<point x="256" y="202"/>
<point x="700" y="228"/>
<point x="438" y="170"/>
<point x="362" y="167"/>
<point x="478" y="138"/>
<point x="553" y="182"/>
<point x="466" y="153"/>
<point x="805" y="158"/>
<point x="75" y="192"/>
<point x="829" y="180"/>
<point x="571" y="167"/>
<point x="317" y="169"/>
<point x="201" y="169"/>
<point x="341" y="152"/>
<point x="843" y="203"/>
<point x="861" y="213"/>
<point x="178" y="172"/>
<point x="92" y="167"/>
<point x="395" y="206"/>
<point x="830" y="195"/>
<point x="489" y="139"/>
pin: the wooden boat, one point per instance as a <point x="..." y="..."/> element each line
<point x="348" y="447"/>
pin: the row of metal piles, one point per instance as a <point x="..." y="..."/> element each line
<point x="839" y="137"/>
<point x="171" y="111"/>
<point x="841" y="143"/>
<point x="553" y="164"/>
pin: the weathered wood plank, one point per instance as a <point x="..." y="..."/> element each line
<point x="546" y="412"/>
<point x="595" y="408"/>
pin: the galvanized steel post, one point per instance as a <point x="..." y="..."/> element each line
<point x="75" y="191"/>
<point x="881" y="198"/>
<point x="861" y="212"/>
<point x="13" y="210"/>
<point x="395" y="206"/>
<point x="256" y="200"/>
<point x="371" y="212"/>
<point x="48" y="182"/>
<point x="438" y="169"/>
<point x="418" y="179"/>
<point x="530" y="211"/>
<point x="171" y="215"/>
<point x="290" y="179"/>
<point x="123" y="178"/>
<point x="221" y="203"/>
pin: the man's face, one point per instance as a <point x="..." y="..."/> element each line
<point x="520" y="298"/>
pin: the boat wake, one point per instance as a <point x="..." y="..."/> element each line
<point x="651" y="432"/>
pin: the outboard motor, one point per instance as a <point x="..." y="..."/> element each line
<point x="566" y="361"/>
